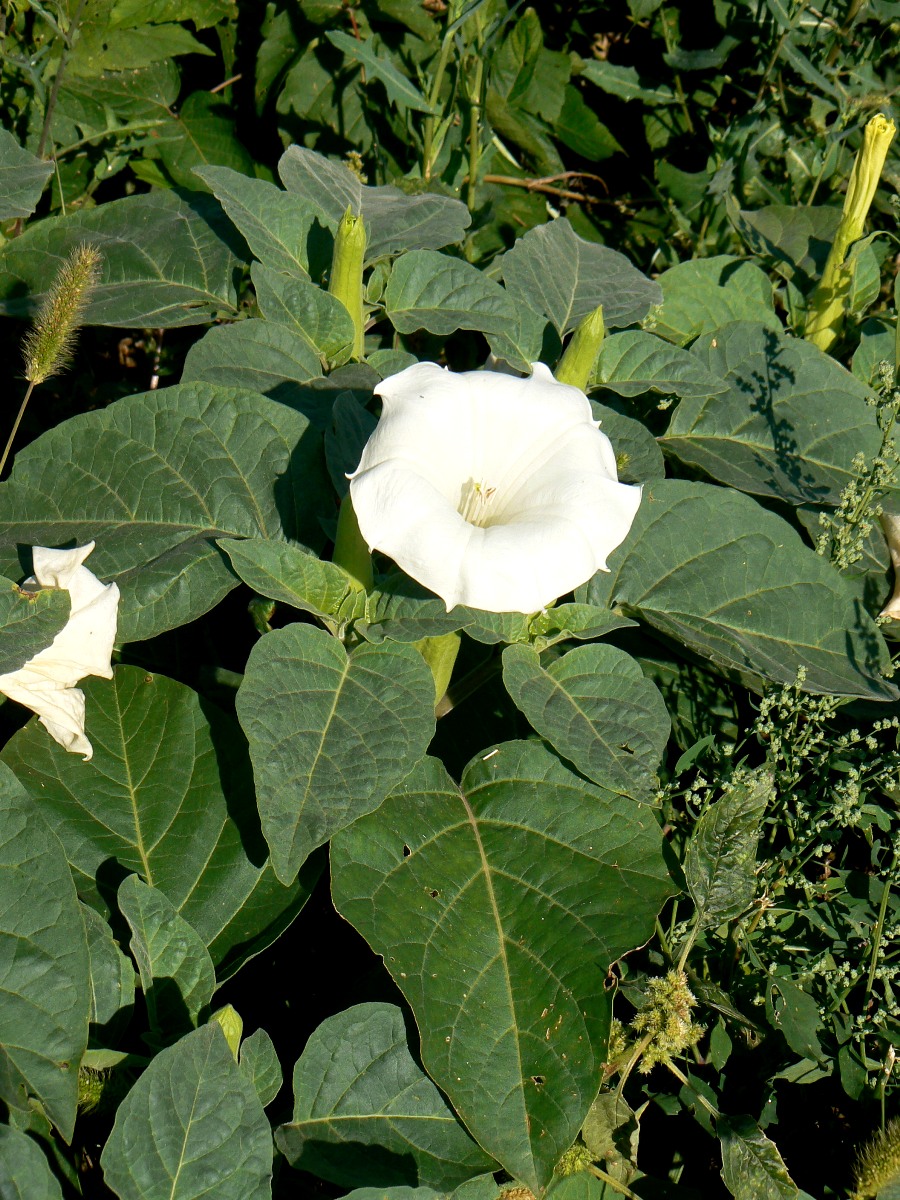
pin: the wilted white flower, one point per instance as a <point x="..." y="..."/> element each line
<point x="492" y="491"/>
<point x="46" y="684"/>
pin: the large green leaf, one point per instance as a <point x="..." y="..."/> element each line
<point x="262" y="356"/>
<point x="497" y="906"/>
<point x="156" y="477"/>
<point x="366" y="1113"/>
<point x="168" y="795"/>
<point x="704" y="293"/>
<point x="201" y="134"/>
<point x="433" y="291"/>
<point x="44" y="964"/>
<point x="635" y="362"/>
<point x="394" y="220"/>
<point x="22" y="178"/>
<point x="192" y="1127"/>
<point x="330" y="733"/>
<point x="274" y="225"/>
<point x="710" y="568"/>
<point x="177" y="975"/>
<point x="638" y="457"/>
<point x="289" y="575"/>
<point x="103" y="101"/>
<point x="595" y="707"/>
<point x="311" y="312"/>
<point x="752" y="1168"/>
<point x="789" y="424"/>
<point x="166" y="261"/>
<point x="482" y="1187"/>
<point x="29" y="621"/>
<point x="24" y="1173"/>
<point x="797" y="237"/>
<point x="554" y="271"/>
<point x="720" y="862"/>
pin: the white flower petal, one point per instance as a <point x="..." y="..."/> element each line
<point x="493" y="491"/>
<point x="46" y="683"/>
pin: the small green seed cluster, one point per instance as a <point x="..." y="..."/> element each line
<point x="667" y="1018"/>
<point x="846" y="530"/>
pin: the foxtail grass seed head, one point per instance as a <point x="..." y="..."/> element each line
<point x="878" y="1165"/>
<point x="49" y="343"/>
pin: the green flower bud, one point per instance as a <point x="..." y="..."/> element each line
<point x="346" y="280"/>
<point x="48" y="345"/>
<point x="577" y="363"/>
<point x="828" y="303"/>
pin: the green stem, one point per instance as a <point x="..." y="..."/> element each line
<point x="876" y="940"/>
<point x="475" y="134"/>
<point x="15" y="429"/>
<point x="621" y="1188"/>
<point x="54" y="91"/>
<point x="433" y="95"/>
<point x="636" y="1053"/>
<point x="713" y="1112"/>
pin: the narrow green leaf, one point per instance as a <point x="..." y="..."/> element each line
<point x="45" y="976"/>
<point x="721" y="856"/>
<point x="365" y="1111"/>
<point x="330" y="733"/>
<point x="168" y="795"/>
<point x="497" y="906"/>
<point x="594" y="706"/>
<point x="177" y="974"/>
<point x="400" y="90"/>
<point x="192" y="1127"/>
<point x="752" y="1168"/>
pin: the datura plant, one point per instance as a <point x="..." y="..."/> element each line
<point x="480" y="685"/>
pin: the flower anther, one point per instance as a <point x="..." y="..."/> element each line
<point x="495" y="492"/>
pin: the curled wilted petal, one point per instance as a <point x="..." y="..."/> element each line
<point x="494" y="492"/>
<point x="46" y="683"/>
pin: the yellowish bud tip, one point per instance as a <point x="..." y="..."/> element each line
<point x="232" y="1026"/>
<point x="346" y="280"/>
<point x="577" y="364"/>
<point x="49" y="343"/>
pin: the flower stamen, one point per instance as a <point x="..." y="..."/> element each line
<point x="475" y="503"/>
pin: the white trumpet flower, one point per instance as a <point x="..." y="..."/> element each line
<point x="492" y="491"/>
<point x="46" y="683"/>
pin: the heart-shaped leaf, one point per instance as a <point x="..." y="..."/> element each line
<point x="192" y="1126"/>
<point x="330" y="733"/>
<point x="365" y="1111"/>
<point x="596" y="708"/>
<point x="46" y="968"/>
<point x="498" y="906"/>
<point x="167" y="795"/>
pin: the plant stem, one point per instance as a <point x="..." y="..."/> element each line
<point x="636" y="1053"/>
<point x="60" y="70"/>
<point x="15" y="429"/>
<point x="713" y="1112"/>
<point x="433" y="95"/>
<point x="475" y="134"/>
<point x="876" y="940"/>
<point x="621" y="1188"/>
